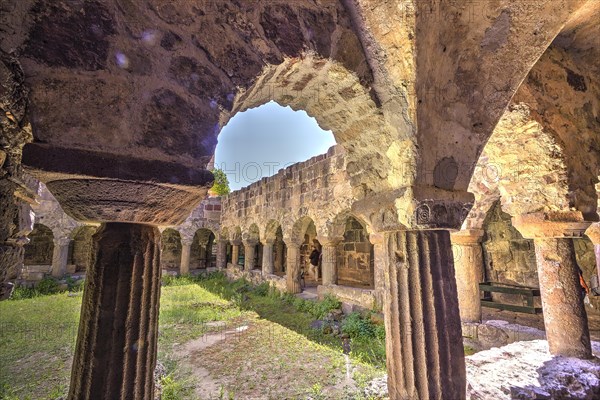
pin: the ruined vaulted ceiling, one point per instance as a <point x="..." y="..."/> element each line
<point x="544" y="154"/>
<point x="151" y="78"/>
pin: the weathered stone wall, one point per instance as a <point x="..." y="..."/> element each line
<point x="355" y="257"/>
<point x="318" y="188"/>
<point x="170" y="256"/>
<point x="80" y="251"/>
<point x="39" y="250"/>
<point x="508" y="257"/>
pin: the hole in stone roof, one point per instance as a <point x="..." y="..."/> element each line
<point x="260" y="141"/>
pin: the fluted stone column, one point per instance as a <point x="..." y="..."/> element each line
<point x="380" y="261"/>
<point x="565" y="319"/>
<point x="293" y="268"/>
<point x="468" y="264"/>
<point x="267" y="259"/>
<point x="593" y="232"/>
<point x="249" y="254"/>
<point x="328" y="259"/>
<point x="116" y="344"/>
<point x="235" y="252"/>
<point x="425" y="355"/>
<point x="186" y="248"/>
<point x="60" y="256"/>
<point x="222" y="254"/>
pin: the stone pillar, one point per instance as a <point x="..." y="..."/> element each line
<point x="204" y="253"/>
<point x="222" y="254"/>
<point x="267" y="259"/>
<point x="249" y="254"/>
<point x="380" y="262"/>
<point x="328" y="259"/>
<point x="116" y="344"/>
<point x="293" y="268"/>
<point x="593" y="232"/>
<point x="186" y="248"/>
<point x="565" y="318"/>
<point x="468" y="263"/>
<point x="425" y="355"/>
<point x="235" y="253"/>
<point x="60" y="256"/>
<point x="278" y="264"/>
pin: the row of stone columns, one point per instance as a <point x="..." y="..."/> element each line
<point x="186" y="250"/>
<point x="270" y="264"/>
<point x="565" y="319"/>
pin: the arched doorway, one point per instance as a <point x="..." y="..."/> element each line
<point x="355" y="256"/>
<point x="203" y="251"/>
<point x="40" y="247"/>
<point x="305" y="233"/>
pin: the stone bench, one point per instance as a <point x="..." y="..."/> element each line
<point x="495" y="287"/>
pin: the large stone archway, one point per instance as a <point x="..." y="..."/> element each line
<point x="412" y="89"/>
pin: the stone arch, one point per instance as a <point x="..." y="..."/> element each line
<point x="299" y="230"/>
<point x="81" y="247"/>
<point x="271" y="229"/>
<point x="251" y="237"/>
<point x="523" y="165"/>
<point x="354" y="255"/>
<point x="337" y="227"/>
<point x="170" y="257"/>
<point x="224" y="234"/>
<point x="252" y="233"/>
<point x="236" y="234"/>
<point x="334" y="95"/>
<point x="40" y="247"/>
<point x="460" y="103"/>
<point x="203" y="250"/>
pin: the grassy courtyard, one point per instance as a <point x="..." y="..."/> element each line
<point x="217" y="340"/>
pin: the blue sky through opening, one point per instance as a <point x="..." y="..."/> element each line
<point x="260" y="141"/>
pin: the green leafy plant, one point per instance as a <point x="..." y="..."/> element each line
<point x="221" y="185"/>
<point x="356" y="326"/>
<point x="47" y="285"/>
<point x="22" y="292"/>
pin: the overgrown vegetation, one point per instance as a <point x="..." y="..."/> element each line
<point x="37" y="338"/>
<point x="48" y="285"/>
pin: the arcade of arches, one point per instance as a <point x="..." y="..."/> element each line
<point x="468" y="151"/>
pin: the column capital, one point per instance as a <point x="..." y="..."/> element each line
<point x="377" y="238"/>
<point x="266" y="242"/>
<point x="593" y="232"/>
<point x="185" y="241"/>
<point x="467" y="236"/>
<point x="415" y="208"/>
<point x="556" y="224"/>
<point x="289" y="242"/>
<point x="329" y="241"/>
<point x="236" y="242"/>
<point x="250" y="242"/>
<point x="62" y="241"/>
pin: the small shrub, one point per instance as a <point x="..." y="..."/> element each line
<point x="325" y="306"/>
<point x="356" y="326"/>
<point x="47" y="285"/>
<point x="22" y="292"/>
<point x="173" y="389"/>
<point x="262" y="289"/>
